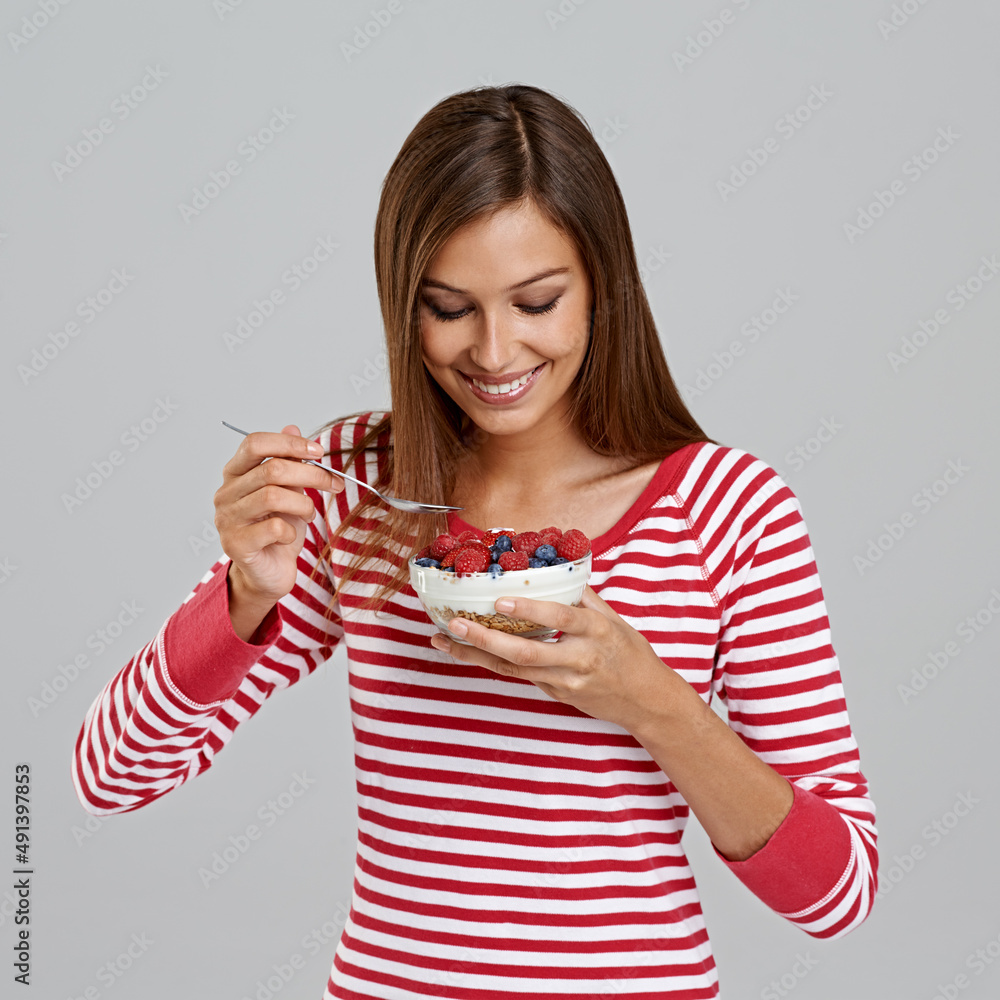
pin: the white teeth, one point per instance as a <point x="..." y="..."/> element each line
<point x="497" y="390"/>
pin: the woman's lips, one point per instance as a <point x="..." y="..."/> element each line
<point x="503" y="398"/>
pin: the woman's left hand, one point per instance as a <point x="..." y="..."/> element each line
<point x="600" y="664"/>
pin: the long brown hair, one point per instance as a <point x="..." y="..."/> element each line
<point x="472" y="154"/>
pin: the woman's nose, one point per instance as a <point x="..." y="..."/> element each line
<point x="495" y="348"/>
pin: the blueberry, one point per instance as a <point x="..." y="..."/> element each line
<point x="534" y="563"/>
<point x="427" y="561"/>
<point x="449" y="569"/>
<point x="495" y="552"/>
<point x="503" y="544"/>
<point x="495" y="570"/>
<point x="546" y="553"/>
<point x="558" y="560"/>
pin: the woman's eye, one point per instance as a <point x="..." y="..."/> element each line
<point x="530" y="310"/>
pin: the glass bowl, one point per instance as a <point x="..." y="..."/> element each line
<point x="445" y="595"/>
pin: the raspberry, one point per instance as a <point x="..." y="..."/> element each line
<point x="527" y="542"/>
<point x="424" y="553"/>
<point x="471" y="560"/>
<point x="490" y="537"/>
<point x="513" y="561"/>
<point x="442" y="545"/>
<point x="449" y="559"/>
<point x="573" y="545"/>
<point x="551" y="531"/>
<point x="550" y="536"/>
<point x="475" y="547"/>
<point x="471" y="535"/>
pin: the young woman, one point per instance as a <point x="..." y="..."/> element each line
<point x="521" y="803"/>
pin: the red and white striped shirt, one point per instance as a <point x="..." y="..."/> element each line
<point x="509" y="844"/>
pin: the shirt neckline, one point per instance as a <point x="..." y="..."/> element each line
<point x="666" y="472"/>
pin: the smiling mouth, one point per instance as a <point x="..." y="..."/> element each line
<point x="504" y="388"/>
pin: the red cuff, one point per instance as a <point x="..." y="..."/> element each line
<point x="804" y="860"/>
<point x="205" y="658"/>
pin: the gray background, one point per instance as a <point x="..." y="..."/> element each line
<point x="671" y="132"/>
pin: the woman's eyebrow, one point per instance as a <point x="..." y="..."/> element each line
<point x="432" y="283"/>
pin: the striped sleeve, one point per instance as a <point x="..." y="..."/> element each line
<point x="779" y="677"/>
<point x="176" y="703"/>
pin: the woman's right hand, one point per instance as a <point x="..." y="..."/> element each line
<point x="261" y="514"/>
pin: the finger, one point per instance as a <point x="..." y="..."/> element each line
<point x="499" y="651"/>
<point x="255" y="447"/>
<point x="551" y="614"/>
<point x="255" y="537"/>
<point x="266" y="502"/>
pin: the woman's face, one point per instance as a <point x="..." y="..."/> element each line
<point x="507" y="296"/>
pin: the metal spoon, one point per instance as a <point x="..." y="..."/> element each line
<point x="409" y="505"/>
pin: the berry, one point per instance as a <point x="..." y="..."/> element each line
<point x="495" y="570"/>
<point x="513" y="561"/>
<point x="549" y="537"/>
<point x="558" y="560"/>
<point x="427" y="561"/>
<point x="527" y="542"/>
<point x="471" y="535"/>
<point x="551" y="531"/>
<point x="490" y="537"/>
<point x="476" y="547"/>
<point x="471" y="560"/>
<point x="573" y="545"/>
<point x="442" y="545"/>
<point x="534" y="563"/>
<point x="504" y="543"/>
<point x="424" y="553"/>
<point x="448" y="561"/>
<point x="546" y="553"/>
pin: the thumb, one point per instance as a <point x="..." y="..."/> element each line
<point x="291" y="429"/>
